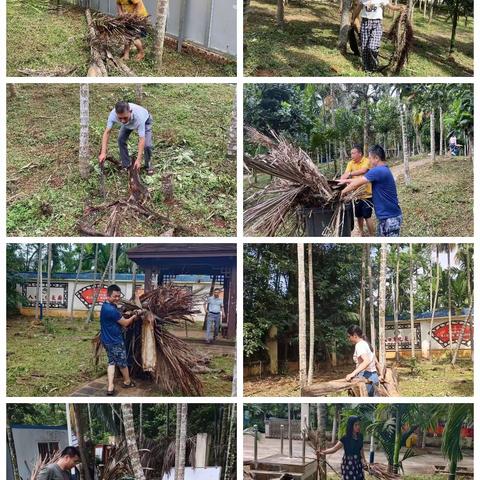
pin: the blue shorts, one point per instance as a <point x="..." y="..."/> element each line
<point x="389" y="227"/>
<point x="363" y="208"/>
<point x="117" y="354"/>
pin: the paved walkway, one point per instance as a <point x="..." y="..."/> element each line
<point x="422" y="463"/>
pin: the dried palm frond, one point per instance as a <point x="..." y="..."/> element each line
<point x="41" y="463"/>
<point x="169" y="458"/>
<point x="381" y="471"/>
<point x="401" y="34"/>
<point x="121" y="28"/>
<point x="298" y="184"/>
<point x="166" y="359"/>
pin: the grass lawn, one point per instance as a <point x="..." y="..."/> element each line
<point x="306" y="46"/>
<point x="439" y="203"/>
<point x="56" y="358"/>
<point x="57" y="42"/>
<point x="433" y="379"/>
<point x="46" y="195"/>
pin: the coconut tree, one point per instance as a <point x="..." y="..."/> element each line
<point x="131" y="439"/>
<point x="183" y="442"/>
<point x="49" y="275"/>
<point x="436" y="248"/>
<point x="12" y="452"/>
<point x="280" y="13"/>
<point x="381" y="304"/>
<point x="370" y="299"/>
<point x="302" y="321"/>
<point x="412" y="311"/>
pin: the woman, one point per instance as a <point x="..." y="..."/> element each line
<point x="371" y="30"/>
<point x="364" y="358"/>
<point x="353" y="461"/>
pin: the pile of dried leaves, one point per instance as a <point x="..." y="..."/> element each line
<point x="297" y="184"/>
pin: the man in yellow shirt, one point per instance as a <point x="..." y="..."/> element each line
<point x="359" y="165"/>
<point x="133" y="7"/>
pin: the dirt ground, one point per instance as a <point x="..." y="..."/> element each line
<point x="434" y="379"/>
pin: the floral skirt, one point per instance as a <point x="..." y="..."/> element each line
<point x="352" y="468"/>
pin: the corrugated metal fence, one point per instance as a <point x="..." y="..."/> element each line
<point x="211" y="24"/>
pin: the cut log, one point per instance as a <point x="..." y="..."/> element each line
<point x="149" y="353"/>
<point x="97" y="66"/>
<point x="357" y="387"/>
<point x="389" y="387"/>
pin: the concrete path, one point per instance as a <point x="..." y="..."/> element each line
<point x="421" y="464"/>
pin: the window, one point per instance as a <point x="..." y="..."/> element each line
<point x="45" y="449"/>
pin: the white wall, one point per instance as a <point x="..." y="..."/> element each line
<point x="26" y="445"/>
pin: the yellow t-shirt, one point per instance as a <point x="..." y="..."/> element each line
<point x="129" y="6"/>
<point x="353" y="167"/>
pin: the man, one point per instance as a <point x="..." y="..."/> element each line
<point x="131" y="117"/>
<point x="112" y="324"/>
<point x="60" y="470"/>
<point x="453" y="146"/>
<point x="133" y="7"/>
<point x="357" y="166"/>
<point x="371" y="29"/>
<point x="384" y="193"/>
<point x="215" y="314"/>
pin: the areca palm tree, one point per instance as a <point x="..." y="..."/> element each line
<point x="302" y="321"/>
<point x="381" y="303"/>
<point x="436" y="248"/>
<point x="131" y="440"/>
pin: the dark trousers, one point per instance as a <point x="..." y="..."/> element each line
<point x="123" y="136"/>
<point x="371" y="33"/>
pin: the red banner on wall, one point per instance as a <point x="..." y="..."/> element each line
<point x="87" y="294"/>
<point x="441" y="333"/>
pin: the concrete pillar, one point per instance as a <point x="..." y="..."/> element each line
<point x="202" y="450"/>
<point x="305" y="411"/>
<point x="272" y="348"/>
<point x="425" y="348"/>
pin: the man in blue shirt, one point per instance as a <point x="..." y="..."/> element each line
<point x="215" y="312"/>
<point x="384" y="193"/>
<point x="131" y="117"/>
<point x="112" y="324"/>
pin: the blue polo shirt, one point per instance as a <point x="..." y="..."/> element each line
<point x="384" y="192"/>
<point x="111" y="332"/>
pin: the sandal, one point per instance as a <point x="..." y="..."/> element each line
<point x="150" y="171"/>
<point x="130" y="385"/>
<point x="110" y="393"/>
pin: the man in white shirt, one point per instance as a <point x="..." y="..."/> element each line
<point x="371" y="30"/>
<point x="215" y="313"/>
<point x="131" y="117"/>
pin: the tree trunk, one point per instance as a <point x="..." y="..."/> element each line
<point x="38" y="299"/>
<point x="345" y="21"/>
<point x="398" y="441"/>
<point x="412" y="313"/>
<point x="12" y="451"/>
<point x="440" y="118"/>
<point x="231" y="445"/>
<point x="363" y="321"/>
<point x="84" y="148"/>
<point x="232" y="135"/>
<point x="381" y="304"/>
<point x="370" y="300"/>
<point x="462" y="332"/>
<point x="162" y="9"/>
<point x="434" y="304"/>
<point x="139" y="93"/>
<point x="177" y="439"/>
<point x="131" y="439"/>
<point x="322" y="429"/>
<point x="80" y="433"/>
<point x="97" y="291"/>
<point x="113" y="276"/>
<point x="405" y="147"/>
<point x="450" y="341"/>
<point x="302" y="321"/>
<point x="280" y="13"/>
<point x="49" y="276"/>
<point x="79" y="269"/>
<point x="453" y="40"/>
<point x="432" y="135"/>
<point x="246" y="8"/>
<point x="183" y="442"/>
<point x="396" y="305"/>
<point x="311" y="312"/>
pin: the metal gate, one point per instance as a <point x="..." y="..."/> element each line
<point x="211" y="24"/>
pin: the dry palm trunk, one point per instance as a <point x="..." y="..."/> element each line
<point x="149" y="359"/>
<point x="401" y="34"/>
<point x="97" y="66"/>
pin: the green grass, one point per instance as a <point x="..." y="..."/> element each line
<point x="191" y="124"/>
<point x="56" y="358"/>
<point x="306" y="46"/>
<point x="439" y="203"/>
<point x="57" y="42"/>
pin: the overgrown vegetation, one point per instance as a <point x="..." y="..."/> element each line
<point x="46" y="195"/>
<point x="306" y="46"/>
<point x="59" y="43"/>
